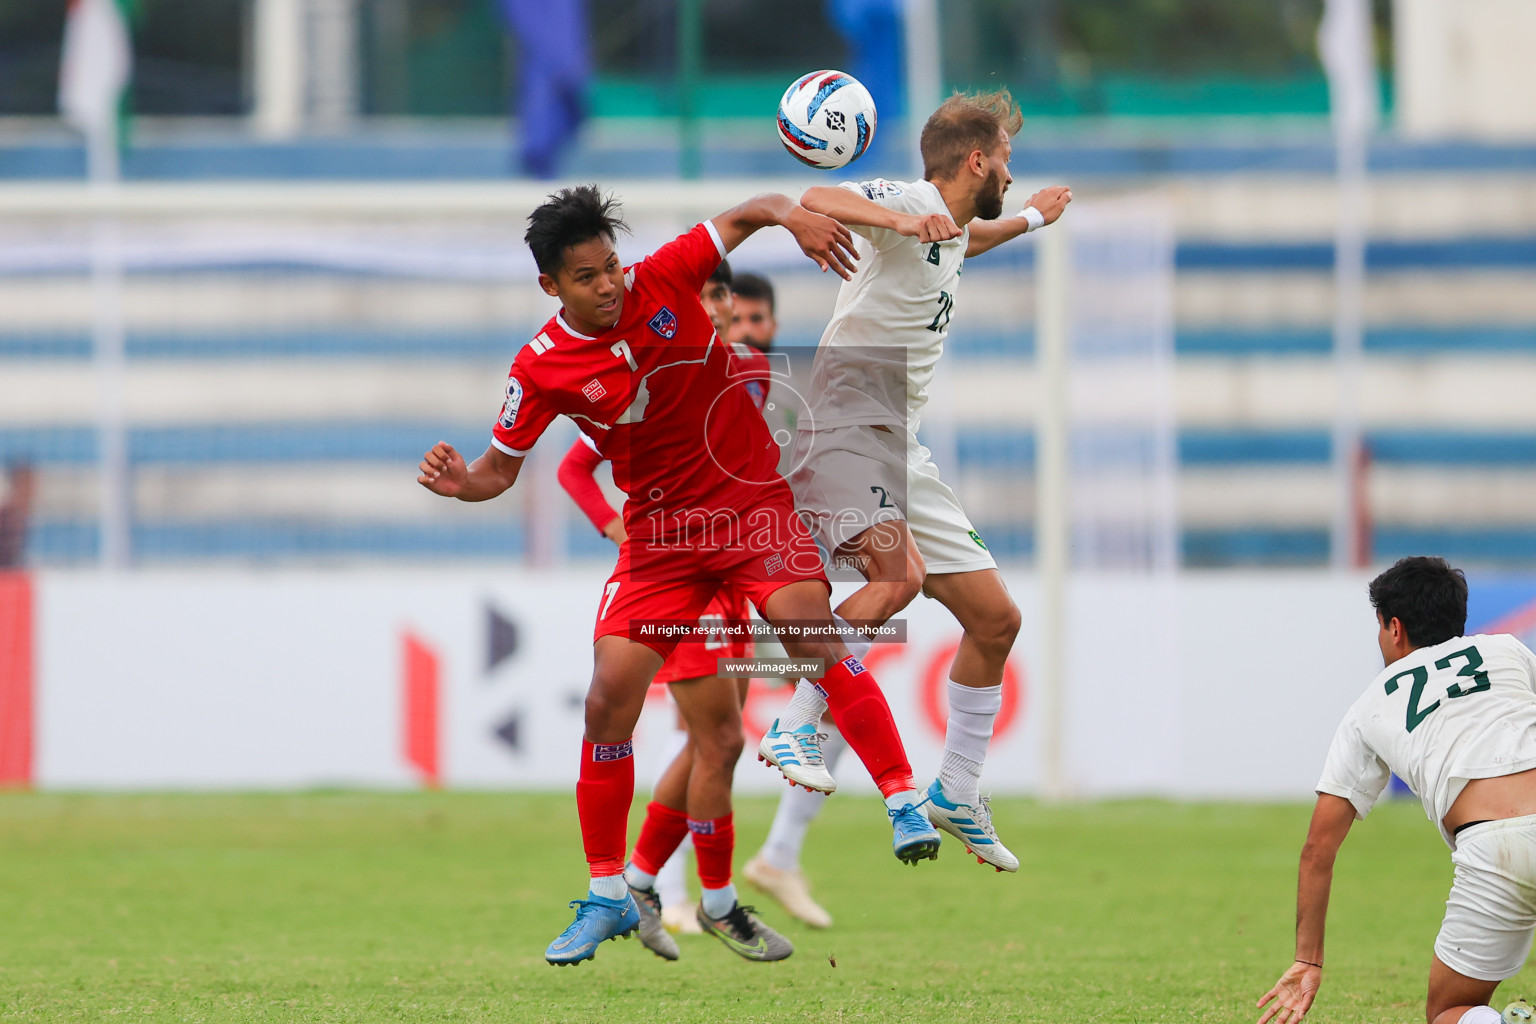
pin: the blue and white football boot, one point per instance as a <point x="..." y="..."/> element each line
<point x="797" y="754"/>
<point x="972" y="825"/>
<point x="913" y="838"/>
<point x="597" y="919"/>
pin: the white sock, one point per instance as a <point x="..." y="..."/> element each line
<point x="896" y="801"/>
<point x="609" y="887"/>
<point x="1482" y="1015"/>
<point x="637" y="878"/>
<point x="672" y="879"/>
<point x="808" y="706"/>
<point x="972" y="710"/>
<point x="857" y="645"/>
<point x="797" y="809"/>
<point x="833" y="746"/>
<point x="676" y="740"/>
<point x="805" y="708"/>
<point x="718" y="902"/>
<point x="671" y="882"/>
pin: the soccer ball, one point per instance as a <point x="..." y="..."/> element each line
<point x="826" y="119"/>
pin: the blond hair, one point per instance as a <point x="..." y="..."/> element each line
<point x="963" y="124"/>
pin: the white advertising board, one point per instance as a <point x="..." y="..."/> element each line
<point x="1223" y="685"/>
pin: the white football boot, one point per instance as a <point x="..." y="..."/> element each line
<point x="972" y="825"/>
<point x="797" y="755"/>
<point x="790" y="889"/>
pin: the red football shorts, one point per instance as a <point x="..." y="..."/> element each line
<point x="726" y="618"/>
<point x="756" y="552"/>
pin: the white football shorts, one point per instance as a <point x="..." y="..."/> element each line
<point x="1490" y="914"/>
<point x="847" y="479"/>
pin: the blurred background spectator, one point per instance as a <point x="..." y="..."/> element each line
<point x="552" y="51"/>
<point x="872" y="32"/>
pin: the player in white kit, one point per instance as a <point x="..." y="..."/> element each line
<point x="1454" y="717"/>
<point x="873" y="494"/>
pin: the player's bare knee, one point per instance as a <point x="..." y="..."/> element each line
<point x="890" y="597"/>
<point x="1439" y="1013"/>
<point x="1012" y="620"/>
<point x="905" y="590"/>
<point x="996" y="631"/>
<point x="599" y="709"/>
<point x="902" y="576"/>
<point x="605" y="713"/>
<point x="728" y="747"/>
<point x="719" y="745"/>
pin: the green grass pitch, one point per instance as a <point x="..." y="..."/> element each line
<point x="437" y="907"/>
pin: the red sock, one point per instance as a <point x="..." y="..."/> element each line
<point x="864" y="718"/>
<point x="660" y="837"/>
<point x="603" y="795"/>
<point x="714" y="843"/>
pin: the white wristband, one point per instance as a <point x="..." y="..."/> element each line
<point x="1035" y="218"/>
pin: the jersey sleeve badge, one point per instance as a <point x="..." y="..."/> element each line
<point x="510" y="406"/>
<point x="878" y="188"/>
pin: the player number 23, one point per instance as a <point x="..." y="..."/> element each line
<point x="1471" y="669"/>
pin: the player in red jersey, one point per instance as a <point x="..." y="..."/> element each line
<point x="775" y="869"/>
<point x="632" y="358"/>
<point x="697" y="771"/>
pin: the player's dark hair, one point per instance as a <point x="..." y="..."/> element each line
<point x="754" y="286"/>
<point x="722" y="275"/>
<point x="1426" y="595"/>
<point x="570" y="217"/>
<point x="963" y="124"/>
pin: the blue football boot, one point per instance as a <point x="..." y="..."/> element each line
<point x="914" y="837"/>
<point x="597" y="919"/>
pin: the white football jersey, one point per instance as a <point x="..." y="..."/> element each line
<point x="887" y="331"/>
<point x="1442" y="716"/>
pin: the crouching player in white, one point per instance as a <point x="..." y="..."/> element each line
<point x="873" y="495"/>
<point x="1454" y="717"/>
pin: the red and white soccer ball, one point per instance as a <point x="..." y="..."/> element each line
<point x="826" y="119"/>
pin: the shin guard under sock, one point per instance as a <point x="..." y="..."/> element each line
<point x="660" y="836"/>
<point x="714" y="843"/>
<point x="864" y="718"/>
<point x="604" y="791"/>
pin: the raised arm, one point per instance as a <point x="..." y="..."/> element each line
<point x="989" y="234"/>
<point x="821" y="238"/>
<point x="577" y="475"/>
<point x="443" y="472"/>
<point x="848" y="207"/>
<point x="1297" y="987"/>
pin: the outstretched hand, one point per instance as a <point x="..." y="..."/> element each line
<point x="1051" y="201"/>
<point x="443" y="470"/>
<point x="929" y="227"/>
<point x="1292" y="994"/>
<point x="824" y="240"/>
